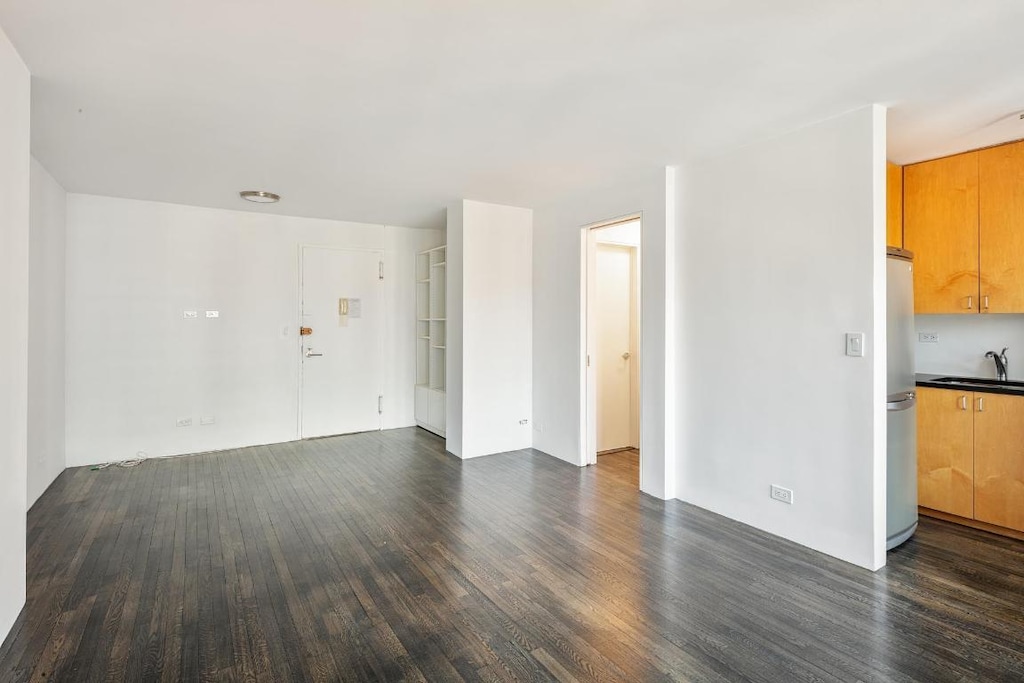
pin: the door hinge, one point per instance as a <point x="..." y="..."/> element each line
<point x="380" y="404"/>
<point x="380" y="272"/>
<point x="588" y="360"/>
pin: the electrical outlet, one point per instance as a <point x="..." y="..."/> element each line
<point x="782" y="495"/>
<point x="191" y="315"/>
<point x="523" y="422"/>
<point x="928" y="337"/>
<point x="213" y="314"/>
<point x="207" y="420"/>
<point x="184" y="422"/>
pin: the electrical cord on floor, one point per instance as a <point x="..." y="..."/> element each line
<point x="136" y="461"/>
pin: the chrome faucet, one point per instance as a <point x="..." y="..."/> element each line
<point x="1001" y="363"/>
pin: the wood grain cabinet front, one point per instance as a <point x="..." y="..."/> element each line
<point x="945" y="451"/>
<point x="893" y="205"/>
<point x="970" y="456"/>
<point x="999" y="460"/>
<point x="940" y="225"/>
<point x="963" y="217"/>
<point x="1001" y="228"/>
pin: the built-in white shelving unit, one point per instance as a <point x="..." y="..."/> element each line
<point x="431" y="339"/>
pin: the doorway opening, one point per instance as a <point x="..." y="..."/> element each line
<point x="611" y="346"/>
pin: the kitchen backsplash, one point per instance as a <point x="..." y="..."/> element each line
<point x="963" y="341"/>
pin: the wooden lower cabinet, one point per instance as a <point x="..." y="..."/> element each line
<point x="999" y="460"/>
<point x="970" y="455"/>
<point x="945" y="451"/>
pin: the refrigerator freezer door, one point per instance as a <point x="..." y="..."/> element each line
<point x="901" y="487"/>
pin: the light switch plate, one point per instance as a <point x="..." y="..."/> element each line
<point x="190" y="315"/>
<point x="855" y="344"/>
<point x="213" y="314"/>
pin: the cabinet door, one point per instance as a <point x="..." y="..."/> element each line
<point x="1001" y="217"/>
<point x="999" y="460"/>
<point x="945" y="451"/>
<point x="940" y="225"/>
<point x="894" y="205"/>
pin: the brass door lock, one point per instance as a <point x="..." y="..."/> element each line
<point x="305" y="331"/>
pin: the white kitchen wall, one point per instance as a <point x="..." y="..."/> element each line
<point x="489" y="329"/>
<point x="46" y="338"/>
<point x="135" y="365"/>
<point x="14" y="284"/>
<point x="963" y="341"/>
<point x="557" y="321"/>
<point x="782" y="251"/>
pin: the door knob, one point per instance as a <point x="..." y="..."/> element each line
<point x="311" y="354"/>
<point x="626" y="356"/>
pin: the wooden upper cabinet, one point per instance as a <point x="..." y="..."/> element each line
<point x="894" y="205"/>
<point x="999" y="460"/>
<point x="945" y="451"/>
<point x="1001" y="218"/>
<point x="940" y="225"/>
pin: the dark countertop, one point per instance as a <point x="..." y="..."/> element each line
<point x="1014" y="388"/>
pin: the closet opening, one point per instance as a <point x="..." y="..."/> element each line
<point x="611" y="348"/>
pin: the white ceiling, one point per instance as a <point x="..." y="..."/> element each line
<point x="385" y="110"/>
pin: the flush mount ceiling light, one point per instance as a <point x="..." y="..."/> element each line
<point x="259" y="196"/>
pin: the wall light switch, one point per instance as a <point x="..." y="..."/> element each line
<point x="855" y="344"/>
<point x="191" y="315"/>
<point x="213" y="314"/>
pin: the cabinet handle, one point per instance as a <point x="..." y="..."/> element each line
<point x="984" y="302"/>
<point x="970" y="302"/>
<point x="981" y="405"/>
<point x="963" y="403"/>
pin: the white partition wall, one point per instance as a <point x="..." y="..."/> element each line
<point x="47" y="346"/>
<point x="489" y="328"/>
<point x="782" y="252"/>
<point x="14" y="236"/>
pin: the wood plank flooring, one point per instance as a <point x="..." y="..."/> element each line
<point x="379" y="557"/>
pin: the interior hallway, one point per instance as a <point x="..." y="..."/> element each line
<point x="378" y="556"/>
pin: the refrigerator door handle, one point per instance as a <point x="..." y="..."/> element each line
<point x="904" y="400"/>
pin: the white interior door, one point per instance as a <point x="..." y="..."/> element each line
<point x="613" y="348"/>
<point x="342" y="358"/>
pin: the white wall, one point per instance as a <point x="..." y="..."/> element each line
<point x="135" y="365"/>
<point x="14" y="282"/>
<point x="558" y="324"/>
<point x="963" y="341"/>
<point x="782" y="251"/>
<point x="490" y="328"/>
<point x="46" y="347"/>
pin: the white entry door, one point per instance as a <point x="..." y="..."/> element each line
<point x="342" y="357"/>
<point x="613" y="317"/>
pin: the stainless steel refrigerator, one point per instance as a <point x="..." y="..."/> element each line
<point x="901" y="402"/>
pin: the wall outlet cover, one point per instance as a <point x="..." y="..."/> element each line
<point x="190" y="315"/>
<point x="213" y="314"/>
<point x="928" y="337"/>
<point x="781" y="494"/>
<point x="184" y="422"/>
<point x="207" y="420"/>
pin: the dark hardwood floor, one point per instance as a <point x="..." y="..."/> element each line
<point x="378" y="557"/>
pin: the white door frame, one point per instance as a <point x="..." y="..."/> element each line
<point x="298" y="315"/>
<point x="588" y="377"/>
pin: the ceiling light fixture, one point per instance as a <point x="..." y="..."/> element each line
<point x="259" y="196"/>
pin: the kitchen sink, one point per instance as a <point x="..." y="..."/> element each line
<point x="980" y="382"/>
